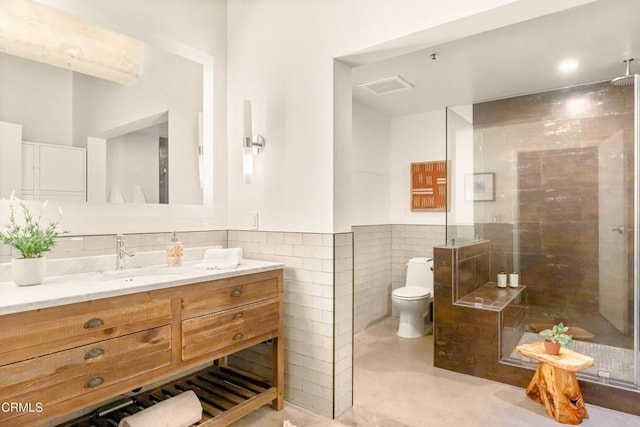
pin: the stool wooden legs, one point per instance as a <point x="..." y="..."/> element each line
<point x="559" y="392"/>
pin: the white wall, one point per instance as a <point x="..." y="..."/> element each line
<point x="132" y="160"/>
<point x="38" y="97"/>
<point x="461" y="151"/>
<point x="10" y="159"/>
<point x="281" y="56"/>
<point x="371" y="167"/>
<point x="414" y="138"/>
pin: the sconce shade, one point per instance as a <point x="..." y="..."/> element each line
<point x="247" y="165"/>
<point x="34" y="31"/>
<point x="247" y="150"/>
<point x="251" y="144"/>
<point x="246" y="116"/>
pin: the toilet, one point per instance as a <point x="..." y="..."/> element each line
<point x="413" y="299"/>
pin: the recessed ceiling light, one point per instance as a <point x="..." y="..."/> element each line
<point x="568" y="65"/>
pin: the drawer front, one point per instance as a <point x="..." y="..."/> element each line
<point x="212" y="332"/>
<point x="66" y="374"/>
<point x="39" y="332"/>
<point x="210" y="297"/>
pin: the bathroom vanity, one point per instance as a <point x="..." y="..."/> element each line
<point x="82" y="347"/>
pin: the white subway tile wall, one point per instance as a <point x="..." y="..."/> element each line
<point x="372" y="265"/>
<point x="408" y="241"/>
<point x="381" y="253"/>
<point x="79" y="246"/>
<point x="343" y="323"/>
<point x="308" y="313"/>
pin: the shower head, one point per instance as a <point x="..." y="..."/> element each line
<point x="625" y="80"/>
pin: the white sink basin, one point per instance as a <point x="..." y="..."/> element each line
<point x="142" y="272"/>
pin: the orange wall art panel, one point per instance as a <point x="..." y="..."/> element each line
<point x="429" y="186"/>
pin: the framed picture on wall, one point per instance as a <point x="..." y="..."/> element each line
<point x="480" y="187"/>
<point x="429" y="186"/>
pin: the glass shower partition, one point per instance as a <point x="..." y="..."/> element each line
<point x="551" y="180"/>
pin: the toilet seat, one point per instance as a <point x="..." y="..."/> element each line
<point x="411" y="293"/>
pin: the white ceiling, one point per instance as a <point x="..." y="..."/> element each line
<point x="518" y="59"/>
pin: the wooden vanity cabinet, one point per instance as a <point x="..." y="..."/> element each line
<point x="217" y="317"/>
<point x="61" y="359"/>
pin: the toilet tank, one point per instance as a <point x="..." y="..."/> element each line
<point x="419" y="272"/>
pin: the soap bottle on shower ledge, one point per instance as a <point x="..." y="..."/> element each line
<point x="174" y="251"/>
<point x="514" y="280"/>
<point x="502" y="279"/>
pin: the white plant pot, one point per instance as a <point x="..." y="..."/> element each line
<point x="28" y="271"/>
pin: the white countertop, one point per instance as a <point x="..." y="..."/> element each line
<point x="71" y="288"/>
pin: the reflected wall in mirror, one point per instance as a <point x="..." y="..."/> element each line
<point x="132" y="167"/>
<point x="62" y="108"/>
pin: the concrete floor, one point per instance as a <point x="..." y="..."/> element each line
<point x="395" y="384"/>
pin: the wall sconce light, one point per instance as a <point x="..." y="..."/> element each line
<point x="37" y="32"/>
<point x="251" y="144"/>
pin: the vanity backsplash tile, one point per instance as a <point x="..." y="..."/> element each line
<point x="83" y="246"/>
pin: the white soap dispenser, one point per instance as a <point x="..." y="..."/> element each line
<point x="174" y="251"/>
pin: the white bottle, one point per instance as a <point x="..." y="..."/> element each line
<point x="513" y="280"/>
<point x="502" y="280"/>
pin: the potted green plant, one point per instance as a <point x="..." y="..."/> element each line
<point x="555" y="338"/>
<point x="32" y="239"/>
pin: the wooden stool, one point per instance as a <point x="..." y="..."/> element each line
<point x="554" y="384"/>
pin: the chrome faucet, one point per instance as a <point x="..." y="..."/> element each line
<point x="121" y="252"/>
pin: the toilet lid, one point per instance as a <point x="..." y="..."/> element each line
<point x="412" y="292"/>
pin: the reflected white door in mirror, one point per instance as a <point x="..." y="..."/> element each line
<point x="54" y="172"/>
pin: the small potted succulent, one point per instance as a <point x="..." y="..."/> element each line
<point x="32" y="240"/>
<point x="555" y="338"/>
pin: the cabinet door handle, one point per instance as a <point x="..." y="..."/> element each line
<point x="94" y="382"/>
<point x="238" y="315"/>
<point x="236" y="293"/>
<point x="93" y="353"/>
<point x="93" y="323"/>
<point x="238" y="336"/>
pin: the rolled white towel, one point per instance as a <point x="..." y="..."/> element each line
<point x="182" y="410"/>
<point x="137" y="195"/>
<point x="221" y="259"/>
<point x="115" y="195"/>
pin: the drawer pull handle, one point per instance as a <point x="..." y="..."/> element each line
<point x="238" y="336"/>
<point x="238" y="316"/>
<point x="93" y="353"/>
<point x="236" y="293"/>
<point x="93" y="323"/>
<point x="94" y="382"/>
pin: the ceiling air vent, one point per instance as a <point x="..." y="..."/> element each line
<point x="387" y="85"/>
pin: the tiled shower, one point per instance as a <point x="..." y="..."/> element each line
<point x="562" y="215"/>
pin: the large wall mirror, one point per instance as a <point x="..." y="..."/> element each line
<point x="116" y="157"/>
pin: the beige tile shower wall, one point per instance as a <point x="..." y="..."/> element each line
<point x="343" y="323"/>
<point x="372" y="273"/>
<point x="308" y="314"/>
<point x="410" y="241"/>
<point x="79" y="246"/>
